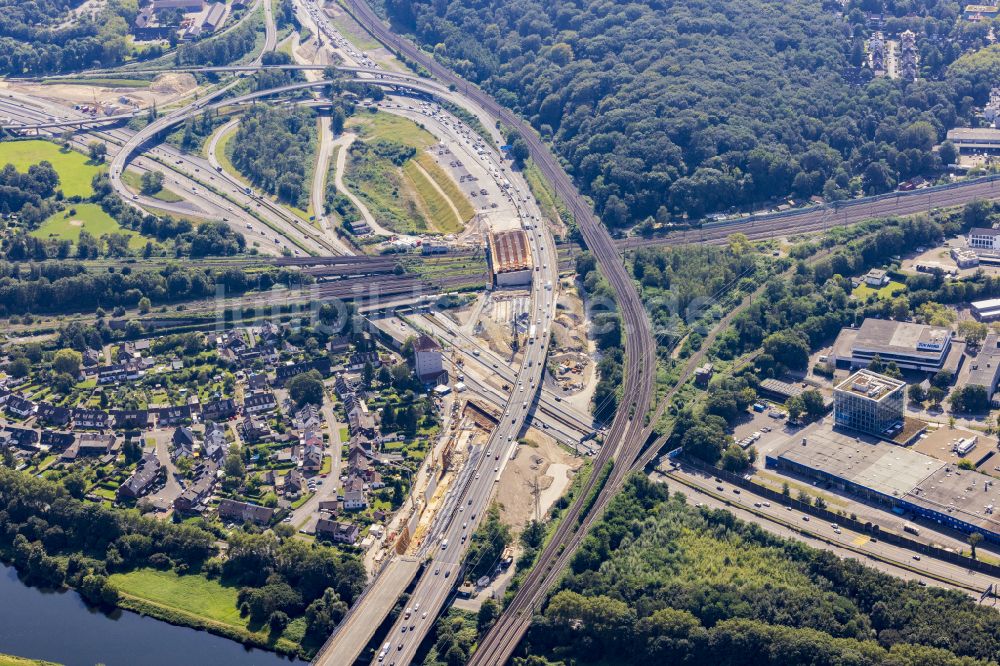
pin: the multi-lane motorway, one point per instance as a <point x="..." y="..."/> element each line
<point x="624" y="439"/>
<point x="447" y="538"/>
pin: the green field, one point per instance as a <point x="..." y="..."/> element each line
<point x="392" y="128"/>
<point x="192" y="594"/>
<point x="450" y="187"/>
<point x="863" y="291"/>
<point x="88" y="216"/>
<point x="74" y="169"/>
<point x="223" y="152"/>
<point x="406" y="198"/>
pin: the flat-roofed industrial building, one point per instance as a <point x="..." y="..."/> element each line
<point x="985" y="368"/>
<point x="894" y="476"/>
<point x="988" y="310"/>
<point x="909" y="346"/>
<point x="510" y="258"/>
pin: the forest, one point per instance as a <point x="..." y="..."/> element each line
<point x="664" y="109"/>
<point x="38" y="37"/>
<point x="661" y="582"/>
<point x="274" y="148"/>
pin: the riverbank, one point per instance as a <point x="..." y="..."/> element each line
<point x="85" y="635"/>
<point x="197" y="602"/>
<point x="169" y="597"/>
<point x="11" y="660"/>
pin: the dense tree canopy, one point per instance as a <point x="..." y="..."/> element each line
<point x="698" y="106"/>
<point x="659" y="582"/>
<point x="274" y="148"/>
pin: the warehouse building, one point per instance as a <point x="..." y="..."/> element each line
<point x="895" y="477"/>
<point x="510" y="258"/>
<point x="869" y="402"/>
<point x="988" y="310"/>
<point x="975" y="139"/>
<point x="985" y="368"/>
<point x="909" y="346"/>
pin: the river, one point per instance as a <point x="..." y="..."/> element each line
<point x="58" y="626"/>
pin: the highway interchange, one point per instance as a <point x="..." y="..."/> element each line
<point x="274" y="230"/>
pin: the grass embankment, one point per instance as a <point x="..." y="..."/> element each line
<point x="354" y="33"/>
<point x="67" y="225"/>
<point x="74" y="169"/>
<point x="552" y="208"/>
<point x="416" y="197"/>
<point x="223" y="153"/>
<point x="134" y="181"/>
<point x="196" y="601"/>
<point x="10" y="660"/>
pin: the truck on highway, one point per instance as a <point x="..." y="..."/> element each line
<point x="911" y="529"/>
<point x="531" y="333"/>
<point x="444" y="544"/>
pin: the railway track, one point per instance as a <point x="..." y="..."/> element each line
<point x="624" y="439"/>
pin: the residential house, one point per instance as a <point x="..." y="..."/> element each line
<point x="57" y="440"/>
<point x="355" y="500"/>
<point x="308" y="417"/>
<point x="256" y="381"/>
<point x="254" y="429"/>
<point x="876" y="278"/>
<point x="25" y="438"/>
<point x="95" y="444"/>
<point x="244" y="512"/>
<point x="340" y="344"/>
<point x="295" y="484"/>
<point x="53" y="414"/>
<point x="178" y="415"/>
<point x="91" y="357"/>
<point x="143" y="478"/>
<point x="312" y="459"/>
<point x="183" y="440"/>
<point x="93" y="419"/>
<point x="343" y="386"/>
<point x="219" y="410"/>
<point x="346" y="533"/>
<point x="262" y="401"/>
<point x="216" y="446"/>
<point x="113" y="374"/>
<point x="285" y="372"/>
<point x="20" y="407"/>
<point x="357" y="459"/>
<point x="358" y="360"/>
<point x="360" y="420"/>
<point x="246" y="357"/>
<point x="132" y="419"/>
<point x="270" y="334"/>
<point x="193" y="498"/>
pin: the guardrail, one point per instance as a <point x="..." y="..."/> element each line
<point x="869" y="528"/>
